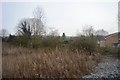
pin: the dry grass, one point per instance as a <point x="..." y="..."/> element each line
<point x="46" y="63"/>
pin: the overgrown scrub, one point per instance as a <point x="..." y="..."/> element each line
<point x="19" y="41"/>
<point x="50" y="42"/>
<point x="87" y="44"/>
<point x="46" y="63"/>
<point x="109" y="50"/>
<point x="35" y="41"/>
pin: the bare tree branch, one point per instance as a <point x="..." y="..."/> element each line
<point x="24" y="28"/>
<point x="88" y="31"/>
<point x="37" y="22"/>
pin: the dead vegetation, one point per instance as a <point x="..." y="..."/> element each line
<point x="46" y="63"/>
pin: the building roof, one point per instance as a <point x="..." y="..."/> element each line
<point x="111" y="35"/>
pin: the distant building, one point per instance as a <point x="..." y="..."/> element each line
<point x="111" y="40"/>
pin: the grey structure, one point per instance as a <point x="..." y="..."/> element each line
<point x="119" y="16"/>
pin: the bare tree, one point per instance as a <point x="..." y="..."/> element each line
<point x="24" y="31"/>
<point x="53" y="32"/>
<point x="38" y="26"/>
<point x="101" y="32"/>
<point x="24" y="28"/>
<point x="88" y="31"/>
<point x="32" y="26"/>
<point x="4" y="32"/>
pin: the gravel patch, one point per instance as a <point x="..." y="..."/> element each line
<point x="108" y="68"/>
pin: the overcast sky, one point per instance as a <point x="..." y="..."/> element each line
<point x="65" y="16"/>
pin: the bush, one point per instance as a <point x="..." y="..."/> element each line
<point x="87" y="44"/>
<point x="109" y="50"/>
<point x="42" y="42"/>
<point x="50" y="42"/>
<point x="35" y="41"/>
<point x="22" y="41"/>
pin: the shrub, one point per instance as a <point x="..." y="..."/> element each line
<point x="49" y="41"/>
<point x="22" y="41"/>
<point x="35" y="42"/>
<point x="87" y="44"/>
<point x="109" y="50"/>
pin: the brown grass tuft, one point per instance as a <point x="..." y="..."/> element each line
<point x="46" y="63"/>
